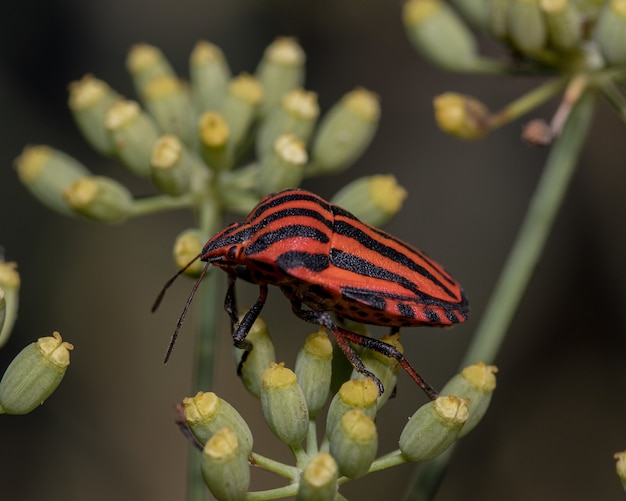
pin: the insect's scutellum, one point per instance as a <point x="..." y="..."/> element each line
<point x="324" y="258"/>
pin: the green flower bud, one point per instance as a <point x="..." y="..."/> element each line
<point x="284" y="405"/>
<point x="280" y="70"/>
<point x="145" y="62"/>
<point x="620" y="467"/>
<point x="297" y="114"/>
<point x="258" y="359"/>
<point x="433" y="428"/>
<point x="100" y="199"/>
<point x="47" y="173"/>
<point x="354" y="394"/>
<point x="206" y="414"/>
<point x="283" y="167"/>
<point x="209" y="74"/>
<point x="477" y="12"/>
<point x="187" y="246"/>
<point x="10" y="287"/>
<point x="461" y="116"/>
<point x="319" y="479"/>
<point x="564" y="22"/>
<point x="476" y="384"/>
<point x="353" y="443"/>
<point x="134" y="134"/>
<point x="383" y="367"/>
<point x="214" y="141"/>
<point x="225" y="466"/>
<point x="89" y="100"/>
<point x="344" y="132"/>
<point x="34" y="374"/>
<point x="314" y="370"/>
<point x="169" y="102"/>
<point x="373" y="199"/>
<point x="441" y="36"/>
<point x="172" y="166"/>
<point x="526" y="26"/>
<point x="240" y="106"/>
<point x="610" y="31"/>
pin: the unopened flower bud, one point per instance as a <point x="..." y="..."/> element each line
<point x="100" y="199"/>
<point x="280" y="70"/>
<point x="34" y="374"/>
<point x="10" y="287"/>
<point x="284" y="405"/>
<point x="215" y="141"/>
<point x="620" y="467"/>
<point x="319" y="479"/>
<point x="145" y="62"/>
<point x="89" y="100"/>
<point x="610" y="31"/>
<point x="206" y="414"/>
<point x="353" y="443"/>
<point x="314" y="370"/>
<point x="564" y="22"/>
<point x="526" y="26"/>
<point x="354" y="394"/>
<point x="433" y="428"/>
<point x="461" y="116"/>
<point x="225" y="466"/>
<point x="441" y="36"/>
<point x="373" y="199"/>
<point x="47" y="173"/>
<point x="209" y="75"/>
<point x="476" y="384"/>
<point x="297" y="114"/>
<point x="383" y="367"/>
<point x="134" y="134"/>
<point x="477" y="12"/>
<point x="172" y="166"/>
<point x="169" y="102"/>
<point x="187" y="246"/>
<point x="283" y="166"/>
<point x="257" y="360"/>
<point x="240" y="105"/>
<point x="344" y="132"/>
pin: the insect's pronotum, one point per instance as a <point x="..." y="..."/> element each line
<point x="324" y="258"/>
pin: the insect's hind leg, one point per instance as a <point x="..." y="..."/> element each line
<point x="391" y="352"/>
<point x="324" y="319"/>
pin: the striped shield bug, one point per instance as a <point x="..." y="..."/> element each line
<point x="322" y="257"/>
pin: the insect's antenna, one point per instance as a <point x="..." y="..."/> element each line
<point x="179" y="324"/>
<point x="159" y="298"/>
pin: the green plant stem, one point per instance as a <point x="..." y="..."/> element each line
<point x="160" y="203"/>
<point x="284" y="470"/>
<point x="519" y="265"/>
<point x="527" y="102"/>
<point x="208" y="319"/>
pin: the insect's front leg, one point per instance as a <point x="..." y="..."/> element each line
<point x="230" y="302"/>
<point x="242" y="329"/>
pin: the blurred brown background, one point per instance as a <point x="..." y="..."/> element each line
<point x="559" y="412"/>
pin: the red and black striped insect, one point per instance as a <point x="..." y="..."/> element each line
<point x="323" y="257"/>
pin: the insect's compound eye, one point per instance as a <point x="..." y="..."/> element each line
<point x="234" y="252"/>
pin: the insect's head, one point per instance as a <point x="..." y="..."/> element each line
<point x="227" y="247"/>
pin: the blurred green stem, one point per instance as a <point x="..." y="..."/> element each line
<point x="208" y="319"/>
<point x="519" y="265"/>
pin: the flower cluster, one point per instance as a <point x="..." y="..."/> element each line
<point x="291" y="401"/>
<point x="218" y="143"/>
<point x="581" y="45"/>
